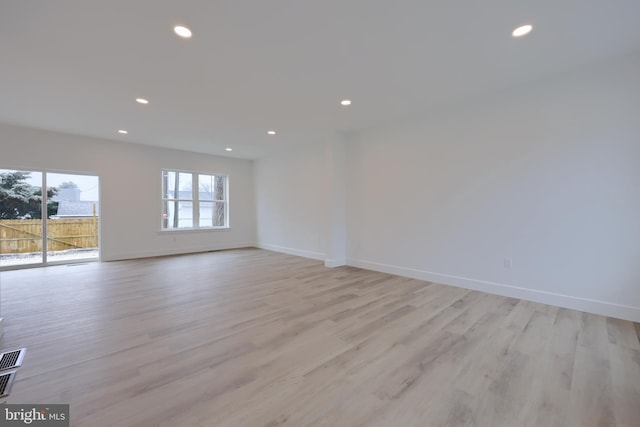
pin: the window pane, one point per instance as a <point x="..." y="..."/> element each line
<point x="168" y="185"/>
<point x="186" y="186"/>
<point x="212" y="214"/>
<point x="21" y="217"/>
<point x="165" y="214"/>
<point x="206" y="214"/>
<point x="177" y="214"/>
<point x="168" y="216"/>
<point x="72" y="227"/>
<point x="206" y="187"/>
<point x="176" y="185"/>
<point x="220" y="187"/>
<point x="219" y="219"/>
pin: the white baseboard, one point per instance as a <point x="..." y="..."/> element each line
<point x="291" y="251"/>
<point x="333" y="263"/>
<point x="149" y="254"/>
<point x="581" y="304"/>
<point x="328" y="262"/>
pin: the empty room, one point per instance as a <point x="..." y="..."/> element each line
<point x="331" y="213"/>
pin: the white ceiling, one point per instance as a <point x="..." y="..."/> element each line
<point x="77" y="66"/>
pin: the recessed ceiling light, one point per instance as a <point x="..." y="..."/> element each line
<point x="229" y="149"/>
<point x="271" y="132"/>
<point x="345" y="102"/>
<point x="183" y="32"/>
<point x="522" y="30"/>
<point x="122" y="131"/>
<point x="142" y="101"/>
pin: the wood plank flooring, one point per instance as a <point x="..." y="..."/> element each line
<point x="256" y="338"/>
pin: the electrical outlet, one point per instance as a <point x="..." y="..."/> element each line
<point x="508" y="263"/>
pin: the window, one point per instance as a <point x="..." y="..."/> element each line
<point x="194" y="200"/>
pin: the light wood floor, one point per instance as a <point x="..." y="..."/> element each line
<point x="255" y="338"/>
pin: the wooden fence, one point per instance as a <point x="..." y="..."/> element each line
<point x="25" y="235"/>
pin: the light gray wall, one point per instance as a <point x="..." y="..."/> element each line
<point x="301" y="200"/>
<point x="293" y="189"/>
<point x="546" y="175"/>
<point x="130" y="189"/>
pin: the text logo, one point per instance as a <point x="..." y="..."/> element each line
<point x="34" y="415"/>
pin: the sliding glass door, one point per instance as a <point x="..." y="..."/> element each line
<point x="58" y="226"/>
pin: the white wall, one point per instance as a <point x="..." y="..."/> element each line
<point x="301" y="200"/>
<point x="130" y="187"/>
<point x="292" y="191"/>
<point x="547" y="175"/>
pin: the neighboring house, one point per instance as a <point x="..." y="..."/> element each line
<point x="77" y="209"/>
<point x="72" y="194"/>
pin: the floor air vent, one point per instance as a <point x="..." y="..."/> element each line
<point x="11" y="359"/>
<point x="6" y="380"/>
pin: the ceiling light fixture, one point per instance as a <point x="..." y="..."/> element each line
<point x="122" y="131"/>
<point x="345" y="102"/>
<point x="522" y="30"/>
<point x="271" y="132"/>
<point x="183" y="32"/>
<point x="142" y="101"/>
<point x="229" y="149"/>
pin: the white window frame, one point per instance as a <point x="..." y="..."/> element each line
<point x="195" y="201"/>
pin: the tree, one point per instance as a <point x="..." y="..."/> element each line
<point x="219" y="195"/>
<point x="176" y="204"/>
<point x="21" y="200"/>
<point x="67" y="184"/>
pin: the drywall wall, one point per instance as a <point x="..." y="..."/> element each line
<point x="292" y="193"/>
<point x="547" y="176"/>
<point x="130" y="189"/>
<point x="301" y="200"/>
